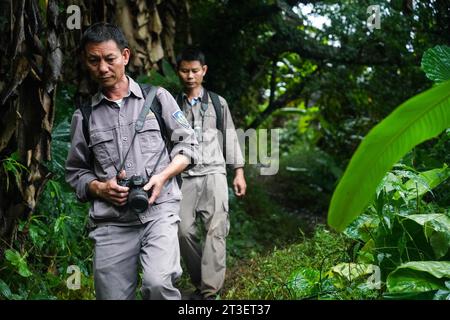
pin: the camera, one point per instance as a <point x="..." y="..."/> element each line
<point x="137" y="197"/>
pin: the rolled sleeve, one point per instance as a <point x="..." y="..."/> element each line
<point x="234" y="158"/>
<point x="79" y="171"/>
<point x="189" y="151"/>
<point x="181" y="133"/>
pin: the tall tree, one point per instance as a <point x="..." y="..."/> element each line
<point x="355" y="76"/>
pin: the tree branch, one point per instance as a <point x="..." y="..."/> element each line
<point x="282" y="101"/>
<point x="294" y="40"/>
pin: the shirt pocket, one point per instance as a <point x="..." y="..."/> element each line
<point x="149" y="136"/>
<point x="209" y="119"/>
<point x="209" y="126"/>
<point x="104" y="148"/>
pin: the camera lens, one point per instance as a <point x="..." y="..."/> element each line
<point x="138" y="200"/>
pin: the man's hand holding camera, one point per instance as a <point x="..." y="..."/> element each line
<point x="110" y="190"/>
<point x="117" y="190"/>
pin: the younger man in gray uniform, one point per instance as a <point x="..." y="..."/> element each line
<point x="125" y="238"/>
<point x="204" y="188"/>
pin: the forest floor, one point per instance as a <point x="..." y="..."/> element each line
<point x="238" y="269"/>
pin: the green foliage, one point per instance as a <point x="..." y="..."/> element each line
<point x="258" y="224"/>
<point x="436" y="229"/>
<point x="426" y="181"/>
<point x="355" y="77"/>
<point x="400" y="228"/>
<point x="436" y="63"/>
<point x="55" y="238"/>
<point x="300" y="271"/>
<point x="419" y="277"/>
<point x="343" y="273"/>
<point x="60" y="148"/>
<point x="420" y="118"/>
<point x="61" y="133"/>
<point x="415" y="121"/>
<point x="401" y="225"/>
<point x="64" y="102"/>
<point x="329" y="99"/>
<point x="166" y="78"/>
<point x="11" y="166"/>
<point x="305" y="283"/>
<point x="19" y="262"/>
<point x="305" y="180"/>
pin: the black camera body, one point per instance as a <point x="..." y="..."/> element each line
<point x="137" y="197"/>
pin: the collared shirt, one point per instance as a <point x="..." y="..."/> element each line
<point x="111" y="130"/>
<point x="194" y="101"/>
<point x="99" y="97"/>
<point x="211" y="158"/>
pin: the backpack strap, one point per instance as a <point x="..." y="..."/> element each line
<point x="218" y="107"/>
<point x="220" y="117"/>
<point x="149" y="99"/>
<point x="139" y="125"/>
<point x="220" y="114"/>
<point x="86" y="110"/>
<point x="156" y="108"/>
<point x="179" y="99"/>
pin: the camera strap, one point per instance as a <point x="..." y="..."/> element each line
<point x="140" y="124"/>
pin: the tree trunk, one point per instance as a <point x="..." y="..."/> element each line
<point x="35" y="40"/>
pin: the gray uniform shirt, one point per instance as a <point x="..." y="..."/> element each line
<point x="111" y="129"/>
<point x="211" y="158"/>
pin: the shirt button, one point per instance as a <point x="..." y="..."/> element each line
<point x="129" y="165"/>
<point x="125" y="138"/>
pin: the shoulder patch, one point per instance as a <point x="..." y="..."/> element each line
<point x="181" y="119"/>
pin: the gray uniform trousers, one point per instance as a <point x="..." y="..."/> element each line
<point x="119" y="249"/>
<point x="206" y="196"/>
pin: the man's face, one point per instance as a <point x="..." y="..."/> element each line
<point x="191" y="73"/>
<point x="105" y="62"/>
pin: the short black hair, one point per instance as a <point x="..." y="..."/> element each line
<point x="101" y="32"/>
<point x="191" y="54"/>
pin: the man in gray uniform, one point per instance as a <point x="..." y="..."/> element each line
<point x="124" y="236"/>
<point x="204" y="188"/>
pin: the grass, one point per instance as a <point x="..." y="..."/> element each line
<point x="267" y="276"/>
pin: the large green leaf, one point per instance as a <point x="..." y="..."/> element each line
<point x="351" y="271"/>
<point x="5" y="291"/>
<point x="436" y="63"/>
<point x="420" y="118"/>
<point x="419" y="276"/>
<point x="19" y="262"/>
<point x="304" y="282"/>
<point x="437" y="230"/>
<point x="431" y="179"/>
